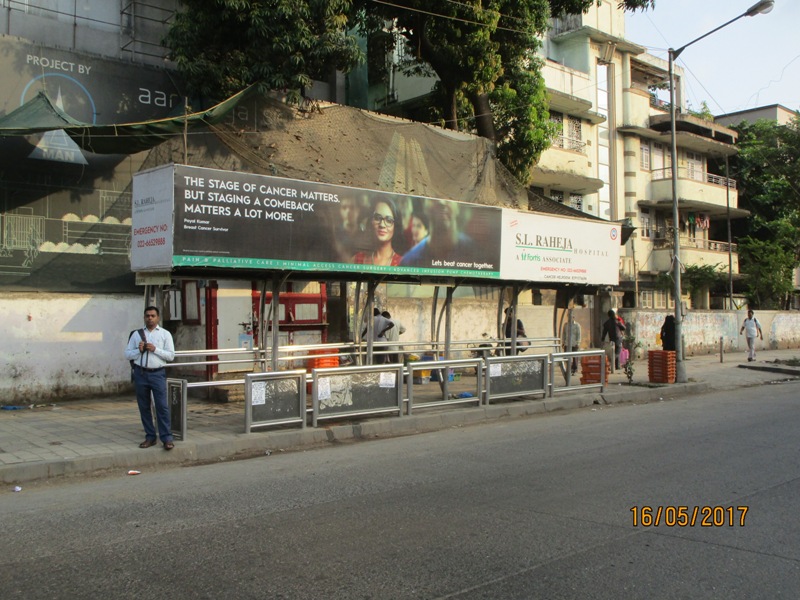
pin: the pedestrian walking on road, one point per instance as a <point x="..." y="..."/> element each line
<point x="150" y="349"/>
<point x="752" y="330"/>
<point x="613" y="329"/>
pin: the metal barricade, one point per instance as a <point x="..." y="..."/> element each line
<point x="511" y="376"/>
<point x="444" y="367"/>
<point x="177" y="400"/>
<point x="277" y="398"/>
<point x="566" y="357"/>
<point x="356" y="391"/>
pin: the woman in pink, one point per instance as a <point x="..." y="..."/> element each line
<point x="384" y="223"/>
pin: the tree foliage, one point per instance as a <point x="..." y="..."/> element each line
<point x="694" y="278"/>
<point x="223" y="46"/>
<point x="482" y="51"/>
<point x="768" y="172"/>
<point x="769" y="265"/>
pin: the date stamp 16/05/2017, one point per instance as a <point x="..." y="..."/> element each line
<point x="689" y="516"/>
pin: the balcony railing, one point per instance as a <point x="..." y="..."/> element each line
<point x="658" y="103"/>
<point x="698" y="243"/>
<point x="695" y="175"/>
<point x="568" y="143"/>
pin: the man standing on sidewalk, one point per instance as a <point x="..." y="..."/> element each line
<point x="151" y="349"/>
<point x="752" y="329"/>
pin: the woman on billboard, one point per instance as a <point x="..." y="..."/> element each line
<point x="383" y="224"/>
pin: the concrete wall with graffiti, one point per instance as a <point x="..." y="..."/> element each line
<point x="702" y="330"/>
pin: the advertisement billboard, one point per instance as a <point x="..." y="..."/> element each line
<point x="225" y="219"/>
<point x="544" y="248"/>
<point x="196" y="217"/>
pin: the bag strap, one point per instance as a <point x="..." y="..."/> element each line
<point x="141" y="335"/>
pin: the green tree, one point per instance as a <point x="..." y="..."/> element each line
<point x="483" y="51"/>
<point x="695" y="278"/>
<point x="221" y="47"/>
<point x="768" y="172"/>
<point x="769" y="267"/>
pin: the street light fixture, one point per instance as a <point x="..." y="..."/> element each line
<point x="764" y="6"/>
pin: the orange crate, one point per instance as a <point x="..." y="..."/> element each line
<point x="590" y="369"/>
<point x="661" y="366"/>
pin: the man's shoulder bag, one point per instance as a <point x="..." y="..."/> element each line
<point x="144" y="339"/>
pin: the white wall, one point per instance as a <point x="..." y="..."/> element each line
<point x="702" y="329"/>
<point x="60" y="346"/>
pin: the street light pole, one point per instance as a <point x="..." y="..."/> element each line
<point x="764" y="6"/>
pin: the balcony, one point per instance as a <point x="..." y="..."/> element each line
<point x="635" y="109"/>
<point x="697" y="191"/>
<point x="694" y="251"/>
<point x="566" y="166"/>
<point x="567" y="143"/>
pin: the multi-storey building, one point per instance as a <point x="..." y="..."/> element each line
<point x="611" y="158"/>
<point x="65" y="279"/>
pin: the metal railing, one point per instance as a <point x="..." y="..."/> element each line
<point x="697" y="243"/>
<point x="278" y="398"/>
<point x="694" y="175"/>
<point x="569" y="143"/>
<point x="354" y="353"/>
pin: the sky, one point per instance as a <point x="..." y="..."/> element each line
<point x="752" y="62"/>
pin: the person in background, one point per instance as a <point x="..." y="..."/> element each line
<point x="576" y="341"/>
<point x="380" y="325"/>
<point x="613" y="329"/>
<point x="752" y="330"/>
<point x="668" y="333"/>
<point x="384" y="223"/>
<point x="149" y="356"/>
<point x="521" y="335"/>
<point x="393" y="335"/>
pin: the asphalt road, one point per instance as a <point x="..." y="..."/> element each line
<point x="529" y="508"/>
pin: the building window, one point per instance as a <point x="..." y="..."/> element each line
<point x="576" y="201"/>
<point x="660" y="299"/>
<point x="574" y="133"/>
<point x="695" y="166"/>
<point x="645" y="224"/>
<point x="646" y="299"/>
<point x="558" y="120"/>
<point x="557" y="196"/>
<point x="661" y="227"/>
<point x="603" y="76"/>
<point x="644" y="155"/>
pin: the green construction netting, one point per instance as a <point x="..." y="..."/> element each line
<point x="39" y="115"/>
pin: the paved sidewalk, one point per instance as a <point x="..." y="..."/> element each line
<point x="86" y="436"/>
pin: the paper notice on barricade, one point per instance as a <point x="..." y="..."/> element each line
<point x="387" y="380"/>
<point x="324" y="388"/>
